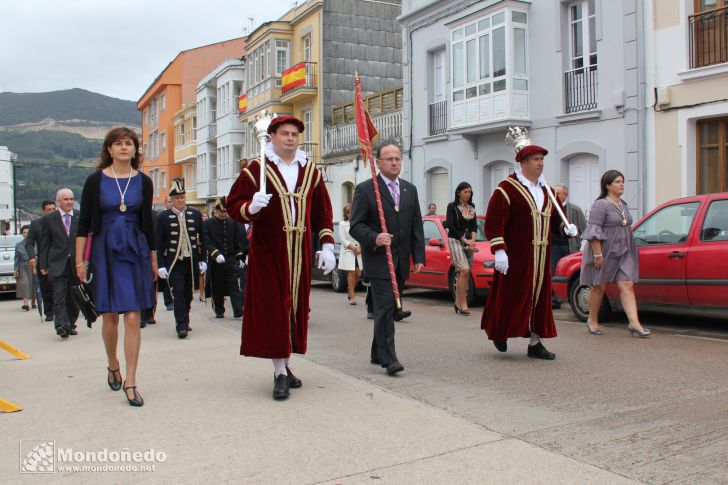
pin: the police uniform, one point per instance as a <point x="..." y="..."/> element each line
<point x="180" y="240"/>
<point x="226" y="241"/>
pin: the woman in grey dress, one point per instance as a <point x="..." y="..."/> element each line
<point x="611" y="255"/>
<point x="23" y="275"/>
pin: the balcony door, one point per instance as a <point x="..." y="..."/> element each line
<point x="709" y="27"/>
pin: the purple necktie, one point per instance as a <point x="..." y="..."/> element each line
<point x="395" y="192"/>
<point x="67" y="222"/>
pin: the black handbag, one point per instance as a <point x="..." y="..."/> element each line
<point x="82" y="297"/>
<point x="80" y="292"/>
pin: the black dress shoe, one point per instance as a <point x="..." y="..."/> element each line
<point x="169" y="308"/>
<point x="72" y="331"/>
<point x="501" y="346"/>
<point x="555" y="306"/>
<point x="370" y="316"/>
<point x="394" y="367"/>
<point x="49" y="317"/>
<point x="293" y="381"/>
<point x="538" y="351"/>
<point x="151" y="321"/>
<point x="114" y="385"/>
<point x="182" y="334"/>
<point x="374" y="361"/>
<point x="280" y="387"/>
<point x="137" y="400"/>
<point x="142" y="324"/>
<point x="237" y="315"/>
<point x="401" y="315"/>
<point x="62" y="332"/>
<point x="219" y="315"/>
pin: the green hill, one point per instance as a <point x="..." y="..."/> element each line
<point x="69" y="104"/>
<point x="48" y="161"/>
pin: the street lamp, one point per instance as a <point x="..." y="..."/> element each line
<point x="14" y="162"/>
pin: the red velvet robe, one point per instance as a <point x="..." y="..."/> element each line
<point x="520" y="301"/>
<point x="275" y="316"/>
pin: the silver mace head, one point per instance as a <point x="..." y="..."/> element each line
<point x="262" y="122"/>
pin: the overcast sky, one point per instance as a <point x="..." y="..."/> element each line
<point x="113" y="48"/>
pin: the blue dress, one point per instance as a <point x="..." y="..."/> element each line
<point x="121" y="261"/>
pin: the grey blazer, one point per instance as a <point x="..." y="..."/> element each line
<point x="576" y="217"/>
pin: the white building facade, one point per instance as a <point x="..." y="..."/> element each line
<point x="473" y="68"/>
<point x="221" y="136"/>
<point x="7" y="204"/>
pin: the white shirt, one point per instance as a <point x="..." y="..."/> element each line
<point x="289" y="171"/>
<point x="535" y="189"/>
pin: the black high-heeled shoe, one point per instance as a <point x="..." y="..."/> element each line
<point x="114" y="385"/>
<point x="460" y="311"/>
<point x="137" y="401"/>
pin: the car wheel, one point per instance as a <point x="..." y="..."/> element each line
<point x="471" y="288"/>
<point x="338" y="280"/>
<point x="579" y="300"/>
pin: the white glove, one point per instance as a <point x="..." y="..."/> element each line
<point x="327" y="260"/>
<point x="242" y="264"/>
<point x="162" y="272"/>
<point x="501" y="261"/>
<point x="203" y="267"/>
<point x="220" y="258"/>
<point x="571" y="230"/>
<point x="259" y="201"/>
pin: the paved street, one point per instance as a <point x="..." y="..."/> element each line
<point x="610" y="409"/>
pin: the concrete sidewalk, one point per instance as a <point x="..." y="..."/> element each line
<point x="211" y="413"/>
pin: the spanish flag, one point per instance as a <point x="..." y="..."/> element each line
<point x="242" y="103"/>
<point x="293" y="76"/>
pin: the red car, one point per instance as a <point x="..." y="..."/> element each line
<point x="439" y="274"/>
<point x="683" y="258"/>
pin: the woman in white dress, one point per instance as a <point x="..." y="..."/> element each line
<point x="350" y="257"/>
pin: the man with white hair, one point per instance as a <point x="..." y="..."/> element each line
<point x="561" y="244"/>
<point x="56" y="257"/>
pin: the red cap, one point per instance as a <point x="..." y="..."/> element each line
<point x="530" y="150"/>
<point x="279" y="120"/>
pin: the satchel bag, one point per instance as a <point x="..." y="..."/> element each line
<point x="80" y="292"/>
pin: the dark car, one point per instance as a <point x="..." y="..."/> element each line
<point x="337" y="277"/>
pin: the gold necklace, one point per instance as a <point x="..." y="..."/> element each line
<point x="122" y="205"/>
<point x="621" y="209"/>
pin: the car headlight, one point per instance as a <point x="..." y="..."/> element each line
<point x="489" y="263"/>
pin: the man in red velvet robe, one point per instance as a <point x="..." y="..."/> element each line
<point x="294" y="208"/>
<point x="518" y="224"/>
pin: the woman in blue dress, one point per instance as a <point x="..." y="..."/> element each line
<point x="116" y="209"/>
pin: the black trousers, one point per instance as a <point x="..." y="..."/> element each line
<point x="181" y="285"/>
<point x="224" y="280"/>
<point x="382" y="293"/>
<point x="46" y="292"/>
<point x="166" y="293"/>
<point x="558" y="251"/>
<point x="65" y="311"/>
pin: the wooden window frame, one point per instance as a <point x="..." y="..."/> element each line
<point x="722" y="146"/>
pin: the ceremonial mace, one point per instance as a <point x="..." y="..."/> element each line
<point x="262" y="121"/>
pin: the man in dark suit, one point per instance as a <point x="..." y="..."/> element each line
<point x="402" y="215"/>
<point x="180" y="241"/>
<point x="561" y="244"/>
<point x="227" y="248"/>
<point x="31" y="245"/>
<point x="56" y="257"/>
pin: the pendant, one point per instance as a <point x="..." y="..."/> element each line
<point x="396" y="208"/>
<point x="624" y="221"/>
<point x="122" y="207"/>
